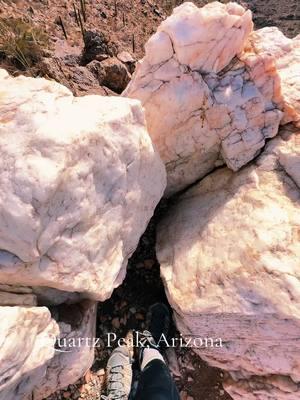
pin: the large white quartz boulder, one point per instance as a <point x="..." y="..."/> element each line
<point x="27" y="337"/>
<point x="230" y="259"/>
<point x="207" y="100"/>
<point x="79" y="182"/>
<point x="271" y="40"/>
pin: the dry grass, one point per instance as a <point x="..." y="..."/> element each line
<point x="21" y="42"/>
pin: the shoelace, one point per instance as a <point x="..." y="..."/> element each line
<point x="148" y="341"/>
<point x="113" y="397"/>
<point x="114" y="378"/>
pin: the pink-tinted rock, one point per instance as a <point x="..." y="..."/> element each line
<point x="207" y="101"/>
<point x="75" y="350"/>
<point x="263" y="388"/>
<point x="229" y="253"/>
<point x="80" y="180"/>
<point x="286" y="52"/>
<point x="27" y="337"/>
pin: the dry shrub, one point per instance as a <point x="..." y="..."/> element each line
<point x="21" y="42"/>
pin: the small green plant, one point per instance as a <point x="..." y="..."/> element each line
<point x="22" y="42"/>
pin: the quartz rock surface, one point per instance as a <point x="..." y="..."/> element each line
<point x="286" y="51"/>
<point x="27" y="336"/>
<point x="264" y="388"/>
<point x="229" y="254"/>
<point x="29" y="364"/>
<point x="204" y="39"/>
<point x="208" y="101"/>
<point x="75" y="354"/>
<point x="80" y="180"/>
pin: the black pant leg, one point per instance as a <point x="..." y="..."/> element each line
<point x="156" y="383"/>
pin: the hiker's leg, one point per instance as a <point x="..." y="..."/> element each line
<point x="156" y="382"/>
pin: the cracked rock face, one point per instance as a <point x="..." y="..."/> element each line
<point x="229" y="253"/>
<point x="29" y="364"/>
<point x="80" y="181"/>
<point x="24" y="334"/>
<point x="76" y="323"/>
<point x="264" y="388"/>
<point x="271" y="40"/>
<point x="208" y="97"/>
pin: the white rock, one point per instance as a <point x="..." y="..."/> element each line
<point x="207" y="38"/>
<point x="264" y="388"/>
<point x="286" y="51"/>
<point x="206" y="100"/>
<point x="79" y="182"/>
<point x="29" y="365"/>
<point x="75" y="352"/>
<point x="229" y="253"/>
<point x="27" y="337"/>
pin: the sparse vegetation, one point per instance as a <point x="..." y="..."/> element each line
<point x="21" y="42"/>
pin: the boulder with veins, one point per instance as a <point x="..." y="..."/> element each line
<point x="229" y="254"/>
<point x="80" y="180"/>
<point x="27" y="336"/>
<point x="286" y="51"/>
<point x="209" y="98"/>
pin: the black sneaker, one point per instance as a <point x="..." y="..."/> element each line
<point x="158" y="321"/>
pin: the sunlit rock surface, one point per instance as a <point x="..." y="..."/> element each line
<point x="80" y="180"/>
<point x="208" y="100"/>
<point x="229" y="253"/>
<point x="40" y="354"/>
<point x="271" y="40"/>
<point x="204" y="39"/>
<point x="27" y="337"/>
<point x="75" y="354"/>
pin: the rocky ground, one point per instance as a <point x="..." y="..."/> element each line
<point x="126" y="26"/>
